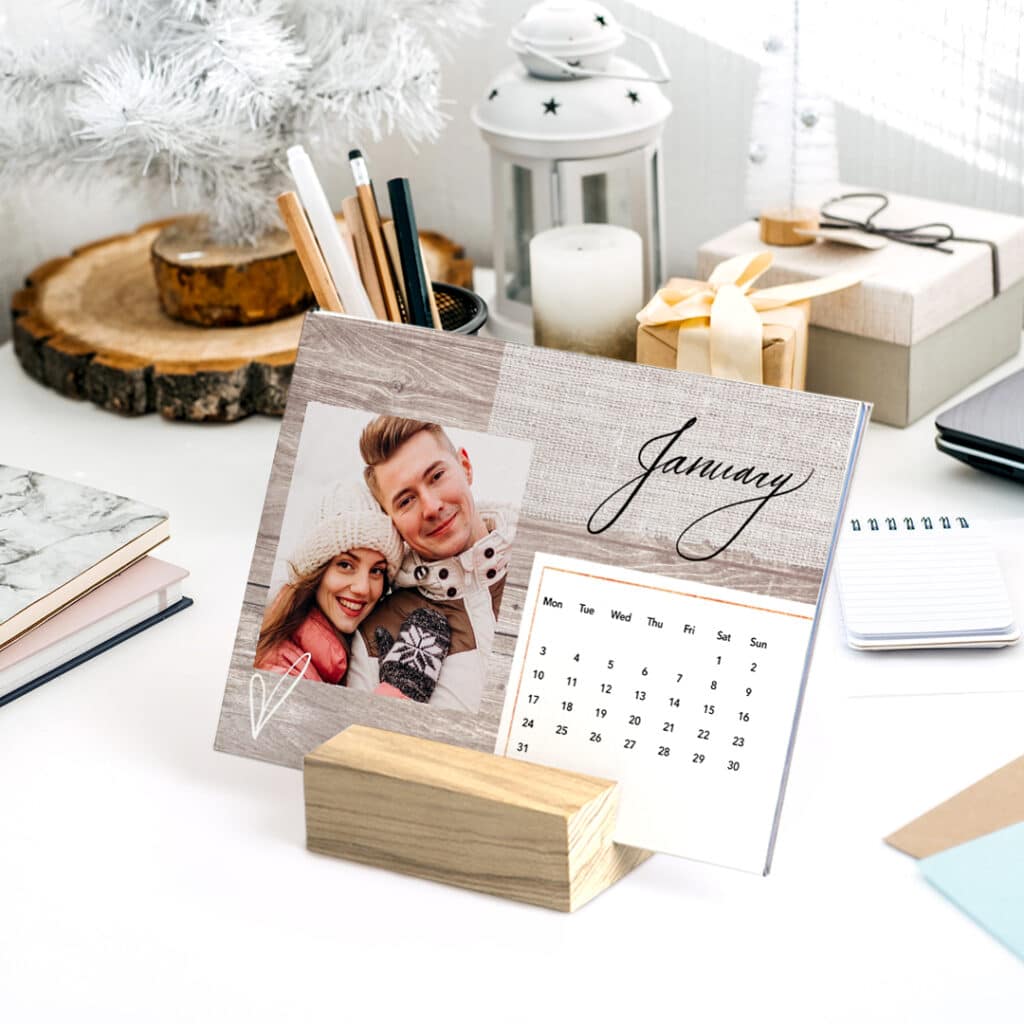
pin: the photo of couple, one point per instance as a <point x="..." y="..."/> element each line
<point x="389" y="572"/>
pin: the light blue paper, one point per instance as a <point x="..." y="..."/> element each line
<point x="985" y="879"/>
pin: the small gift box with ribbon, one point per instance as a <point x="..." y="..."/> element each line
<point x="723" y="328"/>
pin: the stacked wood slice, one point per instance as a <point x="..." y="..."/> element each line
<point x="90" y="325"/>
<point x="96" y="325"/>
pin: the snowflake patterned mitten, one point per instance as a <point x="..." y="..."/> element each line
<point x="412" y="663"/>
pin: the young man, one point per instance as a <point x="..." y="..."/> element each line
<point x="455" y="565"/>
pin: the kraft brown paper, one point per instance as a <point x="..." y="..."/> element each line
<point x="992" y="803"/>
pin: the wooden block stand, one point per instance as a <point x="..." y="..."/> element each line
<point x="500" y="826"/>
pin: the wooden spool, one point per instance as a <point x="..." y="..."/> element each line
<point x="783" y="227"/>
<point x="90" y="325"/>
<point x="213" y="285"/>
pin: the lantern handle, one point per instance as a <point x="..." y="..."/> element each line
<point x="577" y="72"/>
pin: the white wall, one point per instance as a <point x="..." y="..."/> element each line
<point x="705" y="156"/>
<point x="706" y="141"/>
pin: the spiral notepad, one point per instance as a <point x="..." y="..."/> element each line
<point x="923" y="581"/>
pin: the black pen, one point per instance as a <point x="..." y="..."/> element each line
<point x="417" y="286"/>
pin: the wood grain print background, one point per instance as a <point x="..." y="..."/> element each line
<point x="587" y="419"/>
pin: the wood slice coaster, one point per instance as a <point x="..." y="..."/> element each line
<point x="90" y="325"/>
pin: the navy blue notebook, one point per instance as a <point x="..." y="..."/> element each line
<point x="179" y="606"/>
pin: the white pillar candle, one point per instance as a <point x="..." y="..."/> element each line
<point x="586" y="283"/>
<point x="321" y="218"/>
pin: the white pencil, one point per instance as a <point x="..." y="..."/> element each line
<point x="325" y="227"/>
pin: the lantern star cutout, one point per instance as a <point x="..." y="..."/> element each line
<point x="551" y="106"/>
<point x="601" y="20"/>
<point x="492" y="94"/>
<point x="633" y="96"/>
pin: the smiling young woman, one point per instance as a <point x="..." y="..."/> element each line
<point x="338" y="573"/>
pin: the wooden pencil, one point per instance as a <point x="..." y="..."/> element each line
<point x="371" y="221"/>
<point x="309" y="254"/>
<point x="350" y="207"/>
<point x="350" y="246"/>
<point x="434" y="314"/>
<point x="391" y="240"/>
<point x="339" y="261"/>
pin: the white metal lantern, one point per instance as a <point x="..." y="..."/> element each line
<point x="575" y="137"/>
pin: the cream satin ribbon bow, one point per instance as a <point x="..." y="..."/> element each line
<point x="736" y="314"/>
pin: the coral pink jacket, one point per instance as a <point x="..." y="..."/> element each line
<point x="328" y="653"/>
<point x="328" y="661"/>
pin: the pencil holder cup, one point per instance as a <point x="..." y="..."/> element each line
<point x="461" y="310"/>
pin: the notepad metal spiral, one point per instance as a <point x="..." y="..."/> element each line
<point x="909" y="523"/>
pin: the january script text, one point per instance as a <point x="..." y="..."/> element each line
<point x="656" y="456"/>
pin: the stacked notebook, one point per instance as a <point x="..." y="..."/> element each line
<point x="923" y="582"/>
<point x="75" y="578"/>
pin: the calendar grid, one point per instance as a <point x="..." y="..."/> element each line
<point x="684" y="693"/>
<point x="628" y="583"/>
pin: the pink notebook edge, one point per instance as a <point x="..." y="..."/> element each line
<point x="139" y="580"/>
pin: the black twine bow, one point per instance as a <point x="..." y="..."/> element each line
<point x="927" y="236"/>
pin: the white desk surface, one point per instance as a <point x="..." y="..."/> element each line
<point x="147" y="878"/>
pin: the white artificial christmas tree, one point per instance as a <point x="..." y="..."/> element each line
<point x="205" y="96"/>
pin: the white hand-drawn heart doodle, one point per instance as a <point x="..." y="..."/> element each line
<point x="268" y="706"/>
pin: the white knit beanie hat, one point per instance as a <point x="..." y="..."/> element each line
<point x="347" y="518"/>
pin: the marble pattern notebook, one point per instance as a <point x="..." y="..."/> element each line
<point x="59" y="539"/>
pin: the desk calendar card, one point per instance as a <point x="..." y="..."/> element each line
<point x="646" y="495"/>
<point x="683" y="692"/>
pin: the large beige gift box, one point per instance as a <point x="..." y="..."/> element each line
<point x="923" y="323"/>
